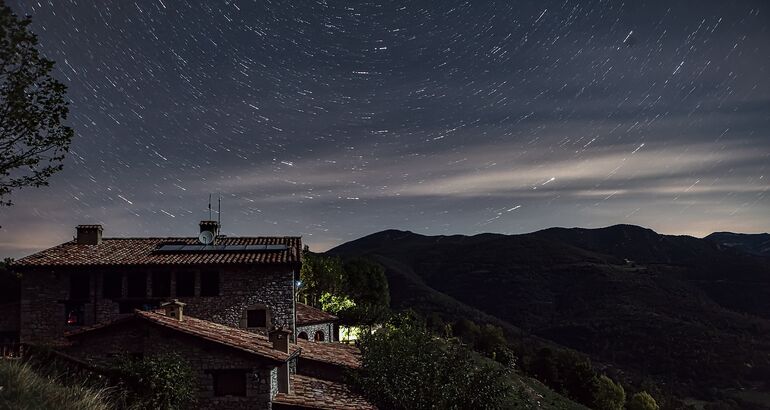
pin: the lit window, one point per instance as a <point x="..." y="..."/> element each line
<point x="73" y="314"/>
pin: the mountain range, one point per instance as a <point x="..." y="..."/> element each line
<point x="689" y="315"/>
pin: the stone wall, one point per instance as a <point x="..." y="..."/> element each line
<point x="99" y="348"/>
<point x="326" y="328"/>
<point x="45" y="293"/>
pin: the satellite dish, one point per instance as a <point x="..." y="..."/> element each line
<point x="206" y="237"/>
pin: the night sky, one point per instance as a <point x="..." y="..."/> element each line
<point x="337" y="119"/>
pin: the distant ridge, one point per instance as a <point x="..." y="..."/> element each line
<point x="692" y="314"/>
<point x="755" y="244"/>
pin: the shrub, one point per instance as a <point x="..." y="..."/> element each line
<point x="642" y="401"/>
<point x="162" y="381"/>
<point x="405" y="367"/>
<point x="608" y="394"/>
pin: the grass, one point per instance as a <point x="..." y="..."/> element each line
<point x="23" y="389"/>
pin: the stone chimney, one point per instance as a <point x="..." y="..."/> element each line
<point x="174" y="309"/>
<point x="280" y="337"/>
<point x="211" y="226"/>
<point x="89" y="234"/>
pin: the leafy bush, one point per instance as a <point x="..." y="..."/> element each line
<point x="163" y="381"/>
<point x="642" y="401"/>
<point x="566" y="371"/>
<point x="609" y="395"/>
<point x="405" y="367"/>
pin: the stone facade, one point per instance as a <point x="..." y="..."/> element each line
<point x="326" y="329"/>
<point x="46" y="299"/>
<point x="206" y="358"/>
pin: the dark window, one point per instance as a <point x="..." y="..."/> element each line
<point x="302" y="335"/>
<point x="319" y="336"/>
<point x="161" y="284"/>
<point x="137" y="285"/>
<point x="185" y="283"/>
<point x="112" y="285"/>
<point x="256" y="318"/>
<point x="80" y="286"/>
<point x="229" y="383"/>
<point x="74" y="314"/>
<point x="210" y="283"/>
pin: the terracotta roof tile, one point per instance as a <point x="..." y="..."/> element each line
<point x="321" y="394"/>
<point x="225" y="335"/>
<point x="308" y="315"/>
<point x="143" y="251"/>
<point x="339" y="354"/>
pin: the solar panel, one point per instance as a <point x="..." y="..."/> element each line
<point x="276" y="247"/>
<point x="196" y="248"/>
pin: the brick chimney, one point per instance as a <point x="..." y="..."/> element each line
<point x="89" y="234"/>
<point x="174" y="309"/>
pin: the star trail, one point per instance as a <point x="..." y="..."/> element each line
<point x="336" y="119"/>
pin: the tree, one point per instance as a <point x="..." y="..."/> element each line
<point x="642" y="401"/>
<point x="404" y="367"/>
<point x="609" y="395"/>
<point x="33" y="139"/>
<point x="319" y="275"/>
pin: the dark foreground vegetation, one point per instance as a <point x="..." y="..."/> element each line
<point x="47" y="380"/>
<point x="22" y="387"/>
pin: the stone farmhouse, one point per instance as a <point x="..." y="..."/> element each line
<point x="225" y="304"/>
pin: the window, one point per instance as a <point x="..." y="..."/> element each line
<point x="161" y="284"/>
<point x="229" y="383"/>
<point x="80" y="286"/>
<point x="319" y="336"/>
<point x="256" y="318"/>
<point x="112" y="285"/>
<point x="74" y="314"/>
<point x="137" y="285"/>
<point x="210" y="283"/>
<point x="302" y="335"/>
<point x="185" y="283"/>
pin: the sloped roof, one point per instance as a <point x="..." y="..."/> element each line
<point x="321" y="394"/>
<point x="339" y="354"/>
<point x="214" y="332"/>
<point x="144" y="251"/>
<point x="308" y="315"/>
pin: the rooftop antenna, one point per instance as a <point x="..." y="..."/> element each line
<point x="209" y="207"/>
<point x="219" y="212"/>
